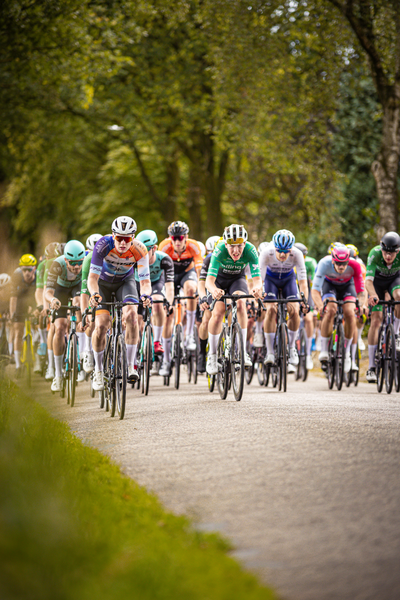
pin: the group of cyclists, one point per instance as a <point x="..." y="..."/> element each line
<point x="134" y="268"/>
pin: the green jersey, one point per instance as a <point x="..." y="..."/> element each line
<point x="223" y="264"/>
<point x="85" y="273"/>
<point x="311" y="265"/>
<point x="40" y="274"/>
<point x="376" y="264"/>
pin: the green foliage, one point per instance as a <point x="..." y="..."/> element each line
<point x="72" y="527"/>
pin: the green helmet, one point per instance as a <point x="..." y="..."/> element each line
<point x="148" y="238"/>
<point x="74" y="250"/>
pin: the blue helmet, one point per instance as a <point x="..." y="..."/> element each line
<point x="283" y="240"/>
<point x="148" y="237"/>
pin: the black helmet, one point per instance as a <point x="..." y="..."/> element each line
<point x="390" y="241"/>
<point x="301" y="247"/>
<point x="178" y="228"/>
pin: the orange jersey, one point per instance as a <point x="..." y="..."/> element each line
<point x="190" y="257"/>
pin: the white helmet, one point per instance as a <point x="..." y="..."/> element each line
<point x="235" y="234"/>
<point x="4" y="279"/>
<point x="124" y="226"/>
<point x="202" y="248"/>
<point x="92" y="240"/>
<point x="212" y="242"/>
<point x="262" y="247"/>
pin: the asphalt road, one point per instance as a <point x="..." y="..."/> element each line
<point x="305" y="483"/>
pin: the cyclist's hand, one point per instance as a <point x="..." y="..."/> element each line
<point x="95" y="300"/>
<point x="147" y="300"/>
<point x="217" y="294"/>
<point x="373" y="300"/>
<point x="204" y="303"/>
<point x="304" y="307"/>
<point x="258" y="293"/>
<point x="55" y="303"/>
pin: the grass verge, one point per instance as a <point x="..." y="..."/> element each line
<point x="73" y="527"/>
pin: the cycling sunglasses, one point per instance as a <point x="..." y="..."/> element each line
<point x="27" y="269"/>
<point x="123" y="238"/>
<point x="178" y="238"/>
<point x="73" y="263"/>
<point x="236" y="242"/>
<point x="342" y="263"/>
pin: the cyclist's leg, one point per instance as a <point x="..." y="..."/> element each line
<point x="271" y="292"/>
<point x="239" y="287"/>
<point x="127" y="292"/>
<point x="328" y="291"/>
<point x="189" y="282"/>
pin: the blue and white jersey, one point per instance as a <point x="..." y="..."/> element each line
<point x="272" y="267"/>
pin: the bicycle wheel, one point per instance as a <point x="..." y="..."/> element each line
<point x="223" y="366"/>
<point x="379" y="366"/>
<point x="283" y="342"/>
<point x="331" y="366"/>
<point x="195" y="355"/>
<point x="249" y="372"/>
<point x="189" y="367"/>
<point x="356" y="374"/>
<point x="389" y="358"/>
<point x="121" y="375"/>
<point x="261" y="370"/>
<point x="72" y="367"/>
<point x="211" y="382"/>
<point x="105" y="397"/>
<point x="302" y="372"/>
<point x="237" y="362"/>
<point x="28" y="359"/>
<point x="339" y="362"/>
<point x="177" y="353"/>
<point x="146" y="358"/>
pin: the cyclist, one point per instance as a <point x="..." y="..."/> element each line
<point x="112" y="272"/>
<point x="360" y="322"/>
<point x="5" y="285"/>
<point x="50" y="252"/>
<point x="64" y="282"/>
<point x="211" y="242"/>
<point x="162" y="286"/>
<point x="383" y="275"/>
<point x="87" y="351"/>
<point x="226" y="274"/>
<point x="340" y="277"/>
<point x="311" y="265"/>
<point x="278" y="263"/>
<point x="186" y="255"/>
<point x="22" y="300"/>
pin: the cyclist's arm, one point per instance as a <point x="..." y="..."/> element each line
<point x="257" y="289"/>
<point x="169" y="291"/>
<point x="39" y="296"/>
<point x="212" y="288"/>
<point x="93" y="283"/>
<point x="369" y="286"/>
<point x="202" y="288"/>
<point x="13" y="305"/>
<point x="316" y="296"/>
<point x="303" y="286"/>
<point x="145" y="287"/>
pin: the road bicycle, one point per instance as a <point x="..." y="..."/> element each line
<point x="146" y="347"/>
<point x="256" y="354"/>
<point x="301" y="346"/>
<point x="336" y="351"/>
<point x="278" y="369"/>
<point x="230" y="350"/>
<point x="387" y="360"/>
<point x="179" y="354"/>
<point x="72" y="361"/>
<point x="27" y="354"/>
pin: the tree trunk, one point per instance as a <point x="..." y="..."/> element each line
<point x="169" y="208"/>
<point x="193" y="202"/>
<point x="385" y="168"/>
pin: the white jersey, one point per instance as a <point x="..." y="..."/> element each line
<point x="271" y="266"/>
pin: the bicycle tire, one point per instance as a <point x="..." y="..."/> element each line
<point x="72" y="368"/>
<point x="302" y="371"/>
<point x="340" y="357"/>
<point x="108" y="377"/>
<point x="249" y="372"/>
<point x="267" y="375"/>
<point x="177" y="354"/>
<point x="379" y="361"/>
<point x="121" y="376"/>
<point x="261" y="371"/>
<point x="356" y="374"/>
<point x="28" y="359"/>
<point x="195" y="355"/>
<point x="189" y="368"/>
<point x="237" y="361"/>
<point x="147" y="354"/>
<point x="211" y="382"/>
<point x="283" y="343"/>
<point x="390" y="358"/>
<point x="223" y="366"/>
<point x="331" y="367"/>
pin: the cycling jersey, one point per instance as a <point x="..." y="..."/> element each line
<point x="162" y="266"/>
<point x="311" y="265"/>
<point x="204" y="268"/>
<point x="189" y="259"/>
<point x="40" y="274"/>
<point x="326" y="270"/>
<point x="221" y="262"/>
<point x="85" y="272"/>
<point x="376" y="264"/>
<point x="59" y="275"/>
<point x="271" y="266"/>
<point x="114" y="267"/>
<point x="19" y="287"/>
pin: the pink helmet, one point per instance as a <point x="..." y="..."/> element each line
<point x="340" y="254"/>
